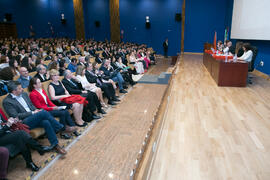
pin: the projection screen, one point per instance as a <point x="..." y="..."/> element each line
<point x="251" y="20"/>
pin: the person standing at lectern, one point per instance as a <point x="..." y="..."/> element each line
<point x="165" y="48"/>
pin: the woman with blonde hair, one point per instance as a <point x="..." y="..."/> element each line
<point x="58" y="92"/>
<point x="80" y="76"/>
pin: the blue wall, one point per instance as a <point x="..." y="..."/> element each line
<point x="203" y="18"/>
<point x="162" y="19"/>
<point x="97" y="10"/>
<point x="38" y="13"/>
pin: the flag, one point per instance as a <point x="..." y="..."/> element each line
<point x="215" y="41"/>
<point x="225" y="35"/>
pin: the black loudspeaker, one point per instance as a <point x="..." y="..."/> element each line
<point x="178" y="17"/>
<point x="147" y="25"/>
<point x="8" y="17"/>
<point x="63" y="21"/>
<point x="97" y="23"/>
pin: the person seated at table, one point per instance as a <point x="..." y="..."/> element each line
<point x="42" y="74"/>
<point x="220" y="46"/>
<point x="21" y="140"/>
<point x="41" y="100"/>
<point x="57" y="91"/>
<point x="247" y="56"/>
<point x="229" y="49"/>
<point x="80" y="76"/>
<point x="239" y="49"/>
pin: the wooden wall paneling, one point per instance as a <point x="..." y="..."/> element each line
<point x="183" y="26"/>
<point x="114" y="20"/>
<point x="79" y="19"/>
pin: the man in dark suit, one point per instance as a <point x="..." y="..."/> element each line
<point x="98" y="59"/>
<point x="107" y="88"/>
<point x="42" y="73"/>
<point x="18" y="104"/>
<point x="92" y="51"/>
<point x="108" y="70"/>
<point x="20" y="141"/>
<point x="74" y="87"/>
<point x="165" y="48"/>
<point x="81" y="61"/>
<point x="106" y="54"/>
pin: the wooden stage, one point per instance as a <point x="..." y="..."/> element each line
<point x="109" y="148"/>
<point x="212" y="132"/>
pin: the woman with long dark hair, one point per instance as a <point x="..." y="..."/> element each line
<point x="41" y="100"/>
<point x="13" y="64"/>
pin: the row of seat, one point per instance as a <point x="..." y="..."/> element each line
<point x="37" y="132"/>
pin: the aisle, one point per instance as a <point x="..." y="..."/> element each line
<point x="213" y="132"/>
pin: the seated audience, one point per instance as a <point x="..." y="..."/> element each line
<point x="18" y="104"/>
<point x="67" y="58"/>
<point x="41" y="61"/>
<point x="102" y="76"/>
<point x="80" y="76"/>
<point x="4" y="62"/>
<point x="28" y="64"/>
<point x="13" y="64"/>
<point x="74" y="51"/>
<point x="21" y="140"/>
<point x="75" y="87"/>
<point x="41" y="100"/>
<point x="114" y="75"/>
<point x="124" y="72"/>
<point x="58" y="92"/>
<point x="137" y="64"/>
<point x="62" y="67"/>
<point x="54" y="65"/>
<point x="42" y="74"/>
<point x="6" y="74"/>
<point x="73" y="65"/>
<point x="24" y="77"/>
<point x="143" y="57"/>
<point x="81" y="61"/>
<point x="107" y="88"/>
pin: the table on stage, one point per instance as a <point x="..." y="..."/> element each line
<point x="230" y="73"/>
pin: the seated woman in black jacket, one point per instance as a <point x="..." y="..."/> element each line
<point x="21" y="140"/>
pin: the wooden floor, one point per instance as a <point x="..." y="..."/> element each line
<point x="212" y="132"/>
<point x="110" y="148"/>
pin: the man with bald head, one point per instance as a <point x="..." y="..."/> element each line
<point x="24" y="77"/>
